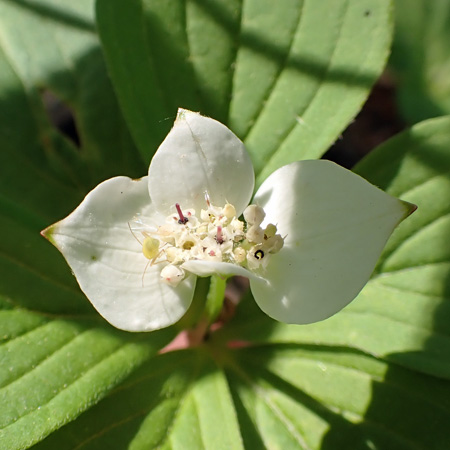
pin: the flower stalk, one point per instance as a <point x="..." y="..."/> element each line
<point x="215" y="298"/>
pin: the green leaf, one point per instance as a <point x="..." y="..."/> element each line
<point x="50" y="48"/>
<point x="286" y="77"/>
<point x="313" y="397"/>
<point x="53" y="370"/>
<point x="277" y="396"/>
<point x="179" y="400"/>
<point x="421" y="58"/>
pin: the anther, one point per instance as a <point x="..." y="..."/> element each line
<point x="182" y="220"/>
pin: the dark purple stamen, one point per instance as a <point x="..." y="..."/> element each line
<point x="183" y="220"/>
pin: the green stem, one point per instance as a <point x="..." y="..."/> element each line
<point x="215" y="298"/>
<point x="195" y="313"/>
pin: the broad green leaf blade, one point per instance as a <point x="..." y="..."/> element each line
<point x="35" y="275"/>
<point x="421" y="58"/>
<point x="57" y="369"/>
<point x="213" y="34"/>
<point x="16" y="322"/>
<point x="27" y="176"/>
<point x="328" y="398"/>
<point x="287" y="77"/>
<point x="32" y="195"/>
<point x="209" y="410"/>
<point x="178" y="400"/>
<point x="336" y="51"/>
<point x="278" y="396"/>
<point x="53" y="50"/>
<point x="402" y="314"/>
<point x="144" y="86"/>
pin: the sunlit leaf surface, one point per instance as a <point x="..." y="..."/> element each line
<point x="286" y="77"/>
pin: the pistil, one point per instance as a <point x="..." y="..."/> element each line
<point x="219" y="235"/>
<point x="182" y="220"/>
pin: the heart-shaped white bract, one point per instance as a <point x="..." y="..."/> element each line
<point x="308" y="244"/>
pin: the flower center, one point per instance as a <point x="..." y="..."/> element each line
<point x="216" y="235"/>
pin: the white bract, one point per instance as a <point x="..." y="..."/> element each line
<point x="308" y="242"/>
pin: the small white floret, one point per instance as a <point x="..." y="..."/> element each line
<point x="255" y="234"/>
<point x="254" y="214"/>
<point x="172" y="275"/>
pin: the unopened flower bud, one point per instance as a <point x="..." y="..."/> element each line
<point x="274" y="244"/>
<point x="172" y="254"/>
<point x="271" y="230"/>
<point x="254" y="215"/>
<point x="172" y="275"/>
<point x="255" y="234"/>
<point x="239" y="255"/>
<point x="229" y="211"/>
<point x="237" y="225"/>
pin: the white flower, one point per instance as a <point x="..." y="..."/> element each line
<point x="308" y="243"/>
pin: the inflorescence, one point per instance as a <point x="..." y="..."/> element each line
<point x="217" y="235"/>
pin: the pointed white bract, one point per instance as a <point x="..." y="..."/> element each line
<point x="308" y="243"/>
<point x="200" y="155"/>
<point x="336" y="225"/>
<point x="108" y="261"/>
